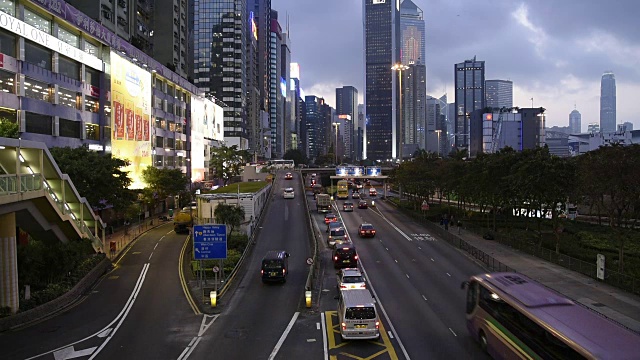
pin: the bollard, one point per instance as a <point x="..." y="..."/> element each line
<point x="307" y="296"/>
<point x="213" y="296"/>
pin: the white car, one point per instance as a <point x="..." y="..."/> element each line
<point x="288" y="193"/>
<point x="351" y="278"/>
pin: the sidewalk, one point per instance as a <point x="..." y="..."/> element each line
<point x="117" y="242"/>
<point x="612" y="302"/>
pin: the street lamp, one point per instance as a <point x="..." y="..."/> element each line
<point x="335" y="145"/>
<point x="399" y="68"/>
<point x="438" y="132"/>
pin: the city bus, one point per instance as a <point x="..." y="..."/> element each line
<point x="343" y="189"/>
<point x="513" y="317"/>
<point x="282" y="164"/>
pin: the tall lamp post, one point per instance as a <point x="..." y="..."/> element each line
<point x="335" y="145"/>
<point x="399" y="67"/>
<point x="438" y="132"/>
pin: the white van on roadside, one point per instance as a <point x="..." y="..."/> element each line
<point x="357" y="315"/>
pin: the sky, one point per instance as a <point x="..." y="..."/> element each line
<point x="554" y="51"/>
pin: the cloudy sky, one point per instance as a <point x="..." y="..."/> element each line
<point x="554" y="51"/>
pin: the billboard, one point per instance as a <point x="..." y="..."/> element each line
<point x="199" y="130"/>
<point x="131" y="117"/>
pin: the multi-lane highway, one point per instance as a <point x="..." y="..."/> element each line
<point x="139" y="310"/>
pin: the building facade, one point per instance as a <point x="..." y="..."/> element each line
<point x="608" y="102"/>
<point x="412" y="29"/>
<point x="520" y="130"/>
<point x="382" y="50"/>
<point x="499" y="94"/>
<point x="469" y="96"/>
<point x="575" y="122"/>
<point x="414" y="108"/>
<point x="347" y="104"/>
<point x="276" y="110"/>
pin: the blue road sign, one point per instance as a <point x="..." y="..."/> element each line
<point x="209" y="242"/>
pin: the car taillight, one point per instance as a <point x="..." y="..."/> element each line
<point x="362" y="232"/>
<point x="261" y="272"/>
<point x="363" y="286"/>
<point x="335" y="258"/>
<point x="344" y="326"/>
<point x="343" y="287"/>
<point x="377" y="324"/>
<point x="355" y="257"/>
<point x="284" y="271"/>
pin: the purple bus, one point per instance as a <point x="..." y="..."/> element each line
<point x="513" y="317"/>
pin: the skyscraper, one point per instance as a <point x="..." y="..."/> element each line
<point x="469" y="96"/>
<point x="499" y="93"/>
<point x="575" y="122"/>
<point x="414" y="102"/>
<point x="219" y="48"/>
<point x="275" y="93"/>
<point x="413" y="33"/>
<point x="382" y="50"/>
<point x="608" y="102"/>
<point x="314" y="139"/>
<point x="347" y="104"/>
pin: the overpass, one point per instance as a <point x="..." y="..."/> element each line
<point x="38" y="198"/>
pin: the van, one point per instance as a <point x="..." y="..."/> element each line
<point x="357" y="315"/>
<point x="275" y="266"/>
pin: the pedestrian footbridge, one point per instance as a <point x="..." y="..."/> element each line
<point x="38" y="198"/>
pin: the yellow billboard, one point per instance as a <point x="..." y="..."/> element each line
<point x="131" y="117"/>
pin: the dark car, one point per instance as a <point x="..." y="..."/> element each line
<point x="355" y="195"/>
<point x="366" y="230"/>
<point x="330" y="218"/>
<point x="345" y="256"/>
<point x="275" y="266"/>
<point x="347" y="206"/>
<point x="363" y="204"/>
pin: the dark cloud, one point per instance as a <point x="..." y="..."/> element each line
<point x="559" y="47"/>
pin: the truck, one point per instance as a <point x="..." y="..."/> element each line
<point x="323" y="203"/>
<point x="183" y="220"/>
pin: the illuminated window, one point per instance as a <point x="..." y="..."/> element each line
<point x="92" y="49"/>
<point x="91" y="104"/>
<point x="68" y="37"/>
<point x="34" y="89"/>
<point x="8" y="6"/>
<point x="93" y="131"/>
<point x="37" y="21"/>
<point x="67" y="98"/>
<point x="7" y="82"/>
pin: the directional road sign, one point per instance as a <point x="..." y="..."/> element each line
<point x="209" y="242"/>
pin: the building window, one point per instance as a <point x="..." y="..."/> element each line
<point x="172" y="126"/>
<point x="8" y="6"/>
<point x="37" y="21"/>
<point x="171" y="143"/>
<point x="68" y="37"/>
<point x="37" y="55"/>
<point x="170" y="90"/>
<point x="170" y="161"/>
<point x="159" y="141"/>
<point x="159" y="84"/>
<point x="93" y="131"/>
<point x="38" y="123"/>
<point x="161" y="123"/>
<point x="70" y="128"/>
<point x="34" y="89"/>
<point x="92" y="77"/>
<point x="68" y="98"/>
<point x="158" y="161"/>
<point x="7" y="43"/>
<point x="7" y="82"/>
<point x="68" y="67"/>
<point x="91" y="104"/>
<point x="91" y="49"/>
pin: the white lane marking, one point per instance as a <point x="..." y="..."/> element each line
<point x="407" y="276"/>
<point x="419" y="248"/>
<point x="395" y="227"/>
<point x="124" y="316"/>
<point x="204" y="326"/>
<point x="390" y="334"/>
<point x="395" y="260"/>
<point x="104" y="333"/>
<point x="425" y="299"/>
<point x="71" y="353"/>
<point x="449" y="274"/>
<point x="324" y="336"/>
<point x="317" y="326"/>
<point x="150" y="256"/>
<point x="169" y="232"/>
<point x="155" y="246"/>
<point x="432" y="260"/>
<point x="107" y="329"/>
<point x="387" y="248"/>
<point x="284" y="336"/>
<point x="454" y="334"/>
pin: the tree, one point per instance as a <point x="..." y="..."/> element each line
<point x="9" y="129"/>
<point x="231" y="215"/>
<point x="226" y="161"/>
<point x="162" y="183"/>
<point x="97" y="177"/>
<point x="296" y="155"/>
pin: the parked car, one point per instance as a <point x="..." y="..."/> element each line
<point x="350" y="278"/>
<point x="366" y="230"/>
<point x="362" y="204"/>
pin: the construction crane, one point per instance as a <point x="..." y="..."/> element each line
<point x="496" y="133"/>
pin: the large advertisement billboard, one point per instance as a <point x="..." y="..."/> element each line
<point x="199" y="130"/>
<point x="131" y="117"/>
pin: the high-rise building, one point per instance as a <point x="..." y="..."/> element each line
<point x="347" y="104"/>
<point x="575" y="122"/>
<point x="296" y="106"/>
<point x="469" y="96"/>
<point x="593" y="128"/>
<point x="628" y="126"/>
<point x="276" y="96"/>
<point x="382" y="50"/>
<point x="608" y="102"/>
<point x="254" y="128"/>
<point x="414" y="108"/>
<point x="314" y="137"/>
<point x="220" y="56"/>
<point x="148" y="26"/>
<point x="288" y="113"/>
<point x="499" y="94"/>
<point x="413" y="33"/>
<point x="519" y="130"/>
